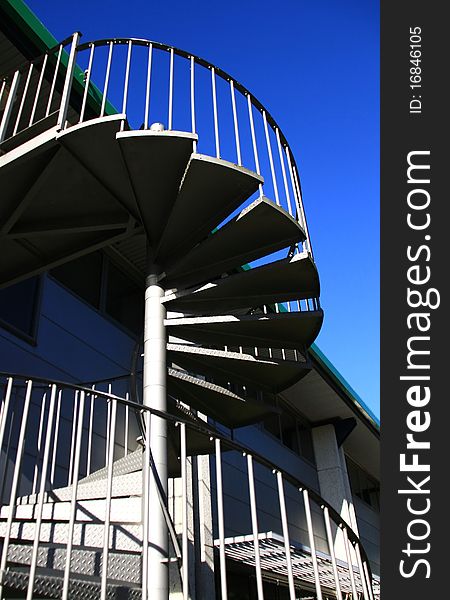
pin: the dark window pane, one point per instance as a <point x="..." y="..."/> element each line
<point x="124" y="300"/>
<point x="82" y="276"/>
<point x="363" y="486"/>
<point x="18" y="305"/>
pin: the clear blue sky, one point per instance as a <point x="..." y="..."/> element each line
<point x="315" y="66"/>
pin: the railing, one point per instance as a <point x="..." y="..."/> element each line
<point x="153" y="82"/>
<point x="54" y="433"/>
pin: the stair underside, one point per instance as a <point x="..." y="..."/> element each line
<point x="269" y="374"/>
<point x="283" y="330"/>
<point x="279" y="281"/>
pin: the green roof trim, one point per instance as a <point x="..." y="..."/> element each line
<point x="343" y="385"/>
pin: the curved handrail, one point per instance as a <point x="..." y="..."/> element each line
<point x="204" y="429"/>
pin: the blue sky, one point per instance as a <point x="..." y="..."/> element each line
<point x="315" y="66"/>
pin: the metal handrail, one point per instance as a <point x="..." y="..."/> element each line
<point x="222" y="442"/>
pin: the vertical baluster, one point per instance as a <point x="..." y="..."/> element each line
<point x="236" y="126"/>
<point x="368" y="580"/>
<point x="287" y="546"/>
<point x="5" y="410"/>
<point x="65" y="98"/>
<point x="87" y="82"/>
<point x="41" y="497"/>
<point x="107" y="74"/>
<point x="38" y="90"/>
<point x="52" y="89"/>
<point x="254" y="517"/>
<point x="193" y="123"/>
<point x="269" y="151"/>
<point x="147" y="86"/>
<point x="312" y="544"/>
<point x="326" y="516"/>
<point x="283" y="171"/>
<point x="90" y="432"/>
<point x="220" y="522"/>
<point x="39" y="443"/>
<point x="9" y="105"/>
<point x="110" y="472"/>
<point x="126" y="83"/>
<point x="72" y="441"/>
<point x="255" y="147"/>
<point x="184" y="503"/>
<point x="108" y="426"/>
<point x="73" y="501"/>
<point x="361" y="573"/>
<point x="170" y="91"/>
<point x="127" y="419"/>
<point x="15" y="481"/>
<point x="145" y="505"/>
<point x="216" y="118"/>
<point x="2" y="89"/>
<point x="24" y="95"/>
<point x="305" y="224"/>
<point x="349" y="562"/>
<point x="294" y="187"/>
<point x="55" y="439"/>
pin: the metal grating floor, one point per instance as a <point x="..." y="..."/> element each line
<point x="271" y="547"/>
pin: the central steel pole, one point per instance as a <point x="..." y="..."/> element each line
<point x="155" y="373"/>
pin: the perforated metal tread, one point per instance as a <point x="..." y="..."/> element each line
<point x="263" y="373"/>
<point x="122" y="567"/>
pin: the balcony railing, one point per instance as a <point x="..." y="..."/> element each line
<point x="150" y="82"/>
<point x="64" y="444"/>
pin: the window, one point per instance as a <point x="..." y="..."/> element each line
<point x="292" y="432"/>
<point x="19" y="307"/>
<point x="106" y="287"/>
<point x="363" y="485"/>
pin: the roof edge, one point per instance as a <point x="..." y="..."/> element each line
<point x="349" y="395"/>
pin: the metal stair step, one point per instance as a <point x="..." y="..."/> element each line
<point x="264" y="373"/>
<point x="128" y="464"/>
<point x="211" y="189"/>
<point x="123" y="510"/>
<point x="123" y="567"/>
<point x="50" y="585"/>
<point x="216" y="401"/>
<point x="123" y="537"/>
<point x="279" y="330"/>
<point x="260" y="229"/>
<point x="279" y="281"/>
<point x="94" y="145"/>
<point x="123" y="485"/>
<point x="156" y="162"/>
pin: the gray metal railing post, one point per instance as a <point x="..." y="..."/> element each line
<point x="349" y="562"/>
<point x="326" y="516"/>
<point x="41" y="497"/>
<point x="5" y="410"/>
<point x="109" y="486"/>
<point x="184" y="516"/>
<point x="24" y="95"/>
<point x="254" y="517"/>
<point x="368" y="580"/>
<point x="55" y="75"/>
<point x="126" y="83"/>
<point x="38" y="90"/>
<point x="147" y="85"/>
<point x="269" y="151"/>
<point x="170" y="118"/>
<point x="312" y="543"/>
<point x="55" y="440"/>
<point x="65" y="98"/>
<point x="361" y="573"/>
<point x="284" y="523"/>
<point x="216" y="116"/>
<point x="15" y="483"/>
<point x="283" y="171"/>
<point x="87" y="82"/>
<point x="9" y="106"/>
<point x="73" y="501"/>
<point x="39" y="444"/>
<point x="236" y="125"/>
<point x="220" y="521"/>
<point x="107" y="74"/>
<point x="192" y="85"/>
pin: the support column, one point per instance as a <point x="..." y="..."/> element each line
<point x="155" y="374"/>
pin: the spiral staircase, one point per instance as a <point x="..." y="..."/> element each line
<point x="230" y="336"/>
